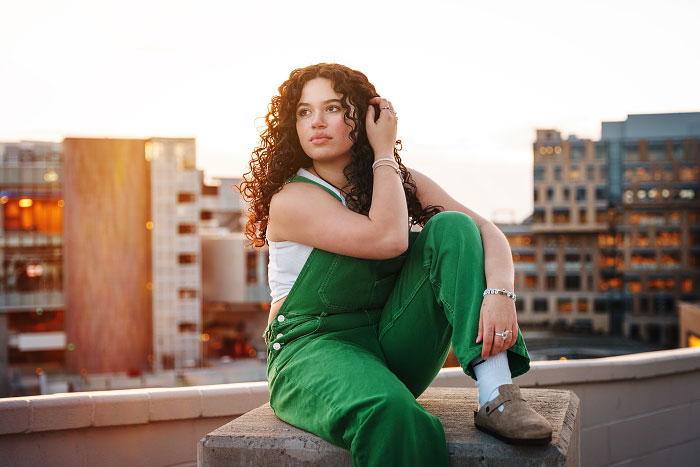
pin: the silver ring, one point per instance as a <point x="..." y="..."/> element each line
<point x="503" y="334"/>
<point x="386" y="108"/>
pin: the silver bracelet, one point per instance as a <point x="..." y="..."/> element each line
<point x="395" y="168"/>
<point x="505" y="292"/>
<point x="391" y="159"/>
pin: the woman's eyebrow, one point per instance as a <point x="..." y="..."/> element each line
<point x="328" y="101"/>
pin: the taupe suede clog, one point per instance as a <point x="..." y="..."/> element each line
<point x="517" y="424"/>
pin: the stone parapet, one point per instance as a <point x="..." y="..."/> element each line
<point x="260" y="438"/>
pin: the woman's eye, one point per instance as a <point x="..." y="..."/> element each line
<point x="334" y="108"/>
<point x="303" y="112"/>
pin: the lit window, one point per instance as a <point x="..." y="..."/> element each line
<point x="641" y="194"/>
<point x="184" y="229"/>
<point x="582" y="305"/>
<point x="531" y="281"/>
<point x="665" y="193"/>
<point x="629" y="196"/>
<point x="564" y="305"/>
<point x="186" y="258"/>
<point x="574" y="173"/>
<point x="687" y="285"/>
<point x="185" y="198"/>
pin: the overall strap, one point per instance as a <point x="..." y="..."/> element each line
<point x="302" y="179"/>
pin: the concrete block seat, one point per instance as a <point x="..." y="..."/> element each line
<point x="259" y="438"/>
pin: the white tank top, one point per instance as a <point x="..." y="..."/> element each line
<point x="288" y="258"/>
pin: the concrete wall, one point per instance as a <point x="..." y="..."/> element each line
<point x="636" y="409"/>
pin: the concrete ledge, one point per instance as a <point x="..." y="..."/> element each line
<point x="69" y="411"/>
<point x="259" y="438"/>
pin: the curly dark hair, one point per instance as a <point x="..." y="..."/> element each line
<point x="280" y="155"/>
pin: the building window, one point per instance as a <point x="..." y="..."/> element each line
<point x="600" y="193"/>
<point x="550" y="193"/>
<point x="523" y="257"/>
<point x="670" y="260"/>
<point x="641" y="239"/>
<point x="603" y="173"/>
<point x="572" y="282"/>
<point x="539" y="173"/>
<point x="550" y="257"/>
<point x="590" y="172"/>
<point x="689" y="174"/>
<point x="641" y="260"/>
<point x="531" y="281"/>
<point x="601" y="216"/>
<point x="577" y="152"/>
<point x="540" y="305"/>
<point x="632" y="153"/>
<point x="187" y="326"/>
<point x="185" y="294"/>
<point x="574" y="173"/>
<point x="251" y="267"/>
<point x="538" y="216"/>
<point x="557" y="173"/>
<point x="678" y="151"/>
<point x="564" y="305"/>
<point x="186" y="258"/>
<point x="32" y="215"/>
<point x="521" y="240"/>
<point x="184" y="229"/>
<point x="567" y="193"/>
<point x="610" y="283"/>
<point x="583" y="216"/>
<point x="582" y="305"/>
<point x="668" y="238"/>
<point x="601" y="151"/>
<point x="186" y="198"/>
<point x="660" y="283"/>
<point x="600" y="305"/>
<point x="551" y="282"/>
<point x="656" y="152"/>
<point x="560" y="216"/>
<point x="580" y="193"/>
<point x="535" y="194"/>
<point x="687" y="285"/>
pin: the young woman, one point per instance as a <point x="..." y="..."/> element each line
<point x="363" y="309"/>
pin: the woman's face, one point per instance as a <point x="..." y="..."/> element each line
<point x="321" y="126"/>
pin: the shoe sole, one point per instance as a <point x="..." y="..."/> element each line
<point x="521" y="441"/>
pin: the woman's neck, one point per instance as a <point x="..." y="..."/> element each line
<point x="331" y="173"/>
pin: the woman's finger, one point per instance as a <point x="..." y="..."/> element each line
<point x="488" y="342"/>
<point x="480" y="335"/>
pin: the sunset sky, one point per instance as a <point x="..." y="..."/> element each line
<point x="471" y="81"/>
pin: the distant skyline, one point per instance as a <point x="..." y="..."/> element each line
<point x="471" y="82"/>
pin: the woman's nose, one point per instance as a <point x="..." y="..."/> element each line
<point x="318" y="120"/>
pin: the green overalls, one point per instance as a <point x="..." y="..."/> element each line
<point x="357" y="340"/>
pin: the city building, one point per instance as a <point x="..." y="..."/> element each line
<point x="32" y="304"/>
<point x="122" y="262"/>
<point x="613" y="242"/>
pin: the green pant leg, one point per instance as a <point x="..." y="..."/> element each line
<point x="436" y="301"/>
<point x="338" y="387"/>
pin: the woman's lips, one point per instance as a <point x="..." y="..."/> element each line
<point x="320" y="139"/>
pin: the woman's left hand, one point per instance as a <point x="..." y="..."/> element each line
<point x="497" y="315"/>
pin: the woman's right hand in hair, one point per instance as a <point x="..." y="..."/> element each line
<point x="382" y="133"/>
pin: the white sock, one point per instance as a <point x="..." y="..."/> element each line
<point x="489" y="375"/>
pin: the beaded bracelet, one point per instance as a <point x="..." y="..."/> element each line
<point x="499" y="292"/>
